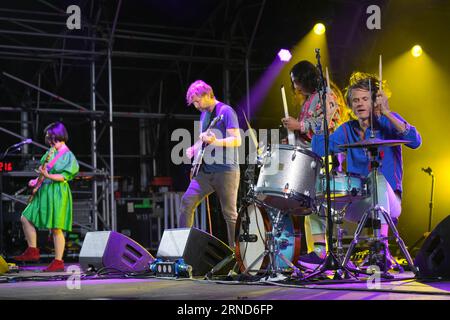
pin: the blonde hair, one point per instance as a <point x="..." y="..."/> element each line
<point x="345" y="114"/>
<point x="198" y="88"/>
<point x="360" y="80"/>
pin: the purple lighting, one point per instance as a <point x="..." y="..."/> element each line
<point x="284" y="55"/>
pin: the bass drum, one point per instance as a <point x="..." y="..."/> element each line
<point x="250" y="245"/>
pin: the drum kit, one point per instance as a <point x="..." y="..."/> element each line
<point x="290" y="186"/>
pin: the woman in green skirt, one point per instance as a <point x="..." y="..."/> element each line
<point x="51" y="204"/>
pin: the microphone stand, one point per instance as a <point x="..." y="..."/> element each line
<point x="3" y="156"/>
<point x="426" y="234"/>
<point x="331" y="261"/>
<point x="1" y="207"/>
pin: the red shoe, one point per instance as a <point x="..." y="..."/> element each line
<point x="55" y="266"/>
<point x="30" y="254"/>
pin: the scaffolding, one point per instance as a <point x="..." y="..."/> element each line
<point x="39" y="35"/>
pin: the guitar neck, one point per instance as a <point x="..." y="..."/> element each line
<point x="198" y="145"/>
<point x="41" y="177"/>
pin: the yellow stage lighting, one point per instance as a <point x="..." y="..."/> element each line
<point x="416" y="51"/>
<point x="319" y="29"/>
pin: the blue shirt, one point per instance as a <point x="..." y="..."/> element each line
<point x="220" y="159"/>
<point x="358" y="159"/>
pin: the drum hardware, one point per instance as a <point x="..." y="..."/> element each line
<point x="246" y="236"/>
<point x="293" y="156"/>
<point x="267" y="239"/>
<point x="277" y="238"/>
<point x="377" y="253"/>
<point x="331" y="261"/>
<point x="272" y="250"/>
<point x="338" y="219"/>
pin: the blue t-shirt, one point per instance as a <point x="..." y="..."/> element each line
<point x="220" y="159"/>
<point x="358" y="159"/>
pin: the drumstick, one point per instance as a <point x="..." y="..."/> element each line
<point x="329" y="91"/>
<point x="380" y="74"/>
<point x="328" y="80"/>
<point x="291" y="136"/>
<point x="252" y="135"/>
<point x="372" y="134"/>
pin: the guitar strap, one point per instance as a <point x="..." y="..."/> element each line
<point x="216" y="111"/>
<point x="61" y="152"/>
<point x="49" y="166"/>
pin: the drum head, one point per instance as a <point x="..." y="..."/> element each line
<point x="251" y="226"/>
<point x="287" y="180"/>
<point x="290" y="203"/>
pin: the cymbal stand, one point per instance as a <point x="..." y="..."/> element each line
<point x="378" y="250"/>
<point x="331" y="262"/>
<point x="339" y="220"/>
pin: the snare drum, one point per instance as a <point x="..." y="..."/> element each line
<point x="343" y="187"/>
<point x="287" y="179"/>
<point x="250" y="245"/>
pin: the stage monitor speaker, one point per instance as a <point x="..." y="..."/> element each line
<point x="199" y="249"/>
<point x="433" y="258"/>
<point x="109" y="249"/>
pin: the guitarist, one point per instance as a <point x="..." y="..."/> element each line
<point x="51" y="204"/>
<point x="219" y="171"/>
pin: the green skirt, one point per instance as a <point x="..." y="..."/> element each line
<point x="51" y="207"/>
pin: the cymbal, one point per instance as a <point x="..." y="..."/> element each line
<point x="375" y="142"/>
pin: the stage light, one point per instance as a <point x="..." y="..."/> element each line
<point x="416" y="51"/>
<point x="284" y="55"/>
<point x="319" y="29"/>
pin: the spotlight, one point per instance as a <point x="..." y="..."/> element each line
<point x="319" y="29"/>
<point x="416" y="51"/>
<point x="284" y="55"/>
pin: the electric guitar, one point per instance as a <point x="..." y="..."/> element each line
<point x="41" y="177"/>
<point x="200" y="147"/>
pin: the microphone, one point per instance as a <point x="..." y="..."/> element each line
<point x="27" y="141"/>
<point x="427" y="170"/>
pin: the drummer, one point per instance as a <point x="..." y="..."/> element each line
<point x="305" y="83"/>
<point x="387" y="125"/>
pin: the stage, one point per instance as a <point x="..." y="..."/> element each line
<point x="30" y="283"/>
<point x="310" y="127"/>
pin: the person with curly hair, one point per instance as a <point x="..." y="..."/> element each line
<point x="369" y="102"/>
<point x="305" y="84"/>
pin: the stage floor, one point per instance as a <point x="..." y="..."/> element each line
<point x="30" y="283"/>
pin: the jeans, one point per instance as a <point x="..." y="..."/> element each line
<point x="226" y="185"/>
